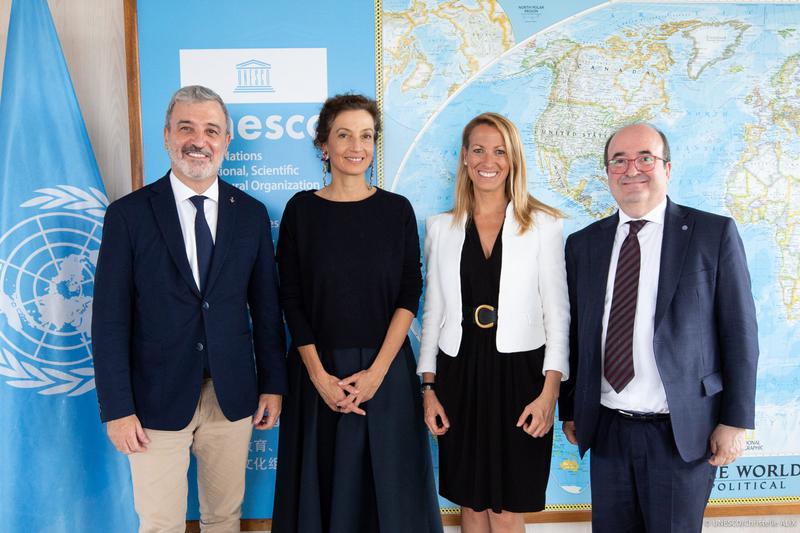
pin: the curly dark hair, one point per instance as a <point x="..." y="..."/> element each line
<point x="344" y="102"/>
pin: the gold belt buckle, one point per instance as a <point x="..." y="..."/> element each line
<point x="477" y="313"/>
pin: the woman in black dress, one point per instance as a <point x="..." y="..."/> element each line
<point x="353" y="454"/>
<point x="495" y="332"/>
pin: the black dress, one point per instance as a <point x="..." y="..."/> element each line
<point x="485" y="461"/>
<point x="345" y="267"/>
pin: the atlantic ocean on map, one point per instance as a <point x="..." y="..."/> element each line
<point x="720" y="79"/>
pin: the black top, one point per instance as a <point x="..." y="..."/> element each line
<point x="345" y="267"/>
<point x="480" y="275"/>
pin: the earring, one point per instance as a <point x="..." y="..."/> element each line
<point x="324" y="169"/>
<point x="371" y="176"/>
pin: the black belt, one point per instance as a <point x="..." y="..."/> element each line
<point x="639" y="417"/>
<point x="484" y="316"/>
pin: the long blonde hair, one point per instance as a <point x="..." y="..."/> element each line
<point x="516" y="188"/>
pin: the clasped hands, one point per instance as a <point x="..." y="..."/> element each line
<point x="346" y="395"/>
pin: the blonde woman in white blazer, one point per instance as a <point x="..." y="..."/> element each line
<point x="495" y="330"/>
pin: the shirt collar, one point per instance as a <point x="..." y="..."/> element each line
<point x="182" y="192"/>
<point x="656" y="215"/>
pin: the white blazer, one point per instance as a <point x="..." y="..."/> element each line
<point x="533" y="304"/>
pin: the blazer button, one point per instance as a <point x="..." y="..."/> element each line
<point x="206" y="306"/>
<point x="199" y="346"/>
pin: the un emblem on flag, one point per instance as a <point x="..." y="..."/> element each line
<point x="47" y="266"/>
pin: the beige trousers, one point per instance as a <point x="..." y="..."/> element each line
<point x="160" y="485"/>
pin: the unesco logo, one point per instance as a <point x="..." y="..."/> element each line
<point x="253" y="77"/>
<point x="47" y="267"/>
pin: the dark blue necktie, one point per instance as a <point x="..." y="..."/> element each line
<point x="203" y="240"/>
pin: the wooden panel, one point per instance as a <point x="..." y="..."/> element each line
<point x="134" y="93"/>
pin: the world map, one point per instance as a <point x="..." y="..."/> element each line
<point x="720" y="79"/>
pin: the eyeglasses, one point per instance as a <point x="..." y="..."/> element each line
<point x="643" y="163"/>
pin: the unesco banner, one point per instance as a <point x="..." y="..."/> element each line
<point x="273" y="63"/>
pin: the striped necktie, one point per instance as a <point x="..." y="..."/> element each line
<point x="618" y="366"/>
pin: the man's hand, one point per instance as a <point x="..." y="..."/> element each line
<point x="727" y="444"/>
<point x="269" y="409"/>
<point x="568" y="428"/>
<point x="127" y="435"/>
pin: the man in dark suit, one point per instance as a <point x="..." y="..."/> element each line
<point x="185" y="265"/>
<point x="663" y="346"/>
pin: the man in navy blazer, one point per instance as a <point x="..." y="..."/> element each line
<point x="185" y="265"/>
<point x="661" y="392"/>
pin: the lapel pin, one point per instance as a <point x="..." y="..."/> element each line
<point x="233" y="201"/>
<point x="684" y="227"/>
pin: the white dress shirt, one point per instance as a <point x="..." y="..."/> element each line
<point x="645" y="392"/>
<point x="186" y="215"/>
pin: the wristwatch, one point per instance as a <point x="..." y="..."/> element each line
<point x="426" y="386"/>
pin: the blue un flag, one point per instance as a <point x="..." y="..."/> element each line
<point x="58" y="472"/>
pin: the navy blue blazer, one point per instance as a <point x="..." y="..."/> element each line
<point x="151" y="324"/>
<point x="705" y="339"/>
